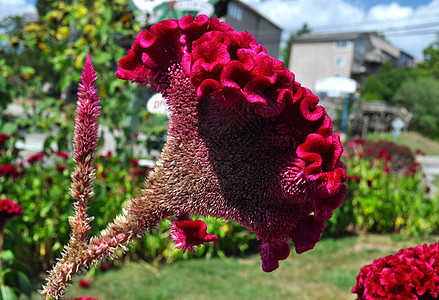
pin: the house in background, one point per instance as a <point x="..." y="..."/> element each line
<point x="354" y="55"/>
<point x="242" y="17"/>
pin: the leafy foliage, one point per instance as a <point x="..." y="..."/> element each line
<point x="430" y="64"/>
<point x="421" y="97"/>
<point x="384" y="85"/>
<point x="414" y="89"/>
<point x="386" y="192"/>
<point x="40" y="184"/>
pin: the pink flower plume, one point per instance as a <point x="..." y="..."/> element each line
<point x="86" y="126"/>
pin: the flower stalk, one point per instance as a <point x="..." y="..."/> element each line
<point x="84" y="145"/>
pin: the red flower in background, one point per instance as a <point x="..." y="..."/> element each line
<point x="36" y="157"/>
<point x="3" y="138"/>
<point x="84" y="283"/>
<point x="421" y="152"/>
<point x="411" y="273"/>
<point x="104" y="267"/>
<point x="7" y="170"/>
<point x="382" y="152"/>
<point x="62" y="154"/>
<point x="134" y="162"/>
<point x="9" y="209"/>
<point x="61" y="167"/>
<point x="246" y="142"/>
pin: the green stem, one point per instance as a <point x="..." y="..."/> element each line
<point x="2" y="279"/>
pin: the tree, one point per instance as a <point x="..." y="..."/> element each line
<point x="421" y="97"/>
<point x="286" y="51"/>
<point x="385" y="83"/>
<point x="17" y="63"/>
<point x="430" y="64"/>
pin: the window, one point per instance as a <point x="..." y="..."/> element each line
<point x="341" y="45"/>
<point x="340" y="61"/>
<point x="234" y="11"/>
<point x="360" y="48"/>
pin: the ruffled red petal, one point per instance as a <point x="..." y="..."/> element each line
<point x="307" y="234"/>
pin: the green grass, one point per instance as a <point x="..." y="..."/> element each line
<point x="326" y="272"/>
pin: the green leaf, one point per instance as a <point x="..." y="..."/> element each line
<point x="8" y="293"/>
<point x="7" y="256"/>
<point x="9" y="128"/>
<point x="27" y="70"/>
<point x="24" y="283"/>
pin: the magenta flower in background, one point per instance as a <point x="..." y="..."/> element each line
<point x="188" y="234"/>
<point x="246" y="142"/>
<point x="411" y="273"/>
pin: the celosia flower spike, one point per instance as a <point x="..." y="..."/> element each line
<point x="87" y="110"/>
<point x="84" y="146"/>
<point x="85" y="143"/>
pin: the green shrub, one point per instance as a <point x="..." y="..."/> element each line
<point x="386" y="192"/>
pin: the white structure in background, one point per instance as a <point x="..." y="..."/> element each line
<point x="157" y="105"/>
<point x="337" y="87"/>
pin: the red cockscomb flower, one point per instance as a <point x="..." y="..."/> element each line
<point x="246" y="141"/>
<point x="411" y="273"/>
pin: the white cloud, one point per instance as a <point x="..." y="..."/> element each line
<point x="341" y="15"/>
<point x="15" y="7"/>
<point x="389" y="12"/>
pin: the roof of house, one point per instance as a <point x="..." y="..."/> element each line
<point x="258" y="13"/>
<point x="328" y="37"/>
<point x="377" y="42"/>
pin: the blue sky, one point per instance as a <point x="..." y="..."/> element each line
<point x="404" y="22"/>
<point x="368" y="4"/>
